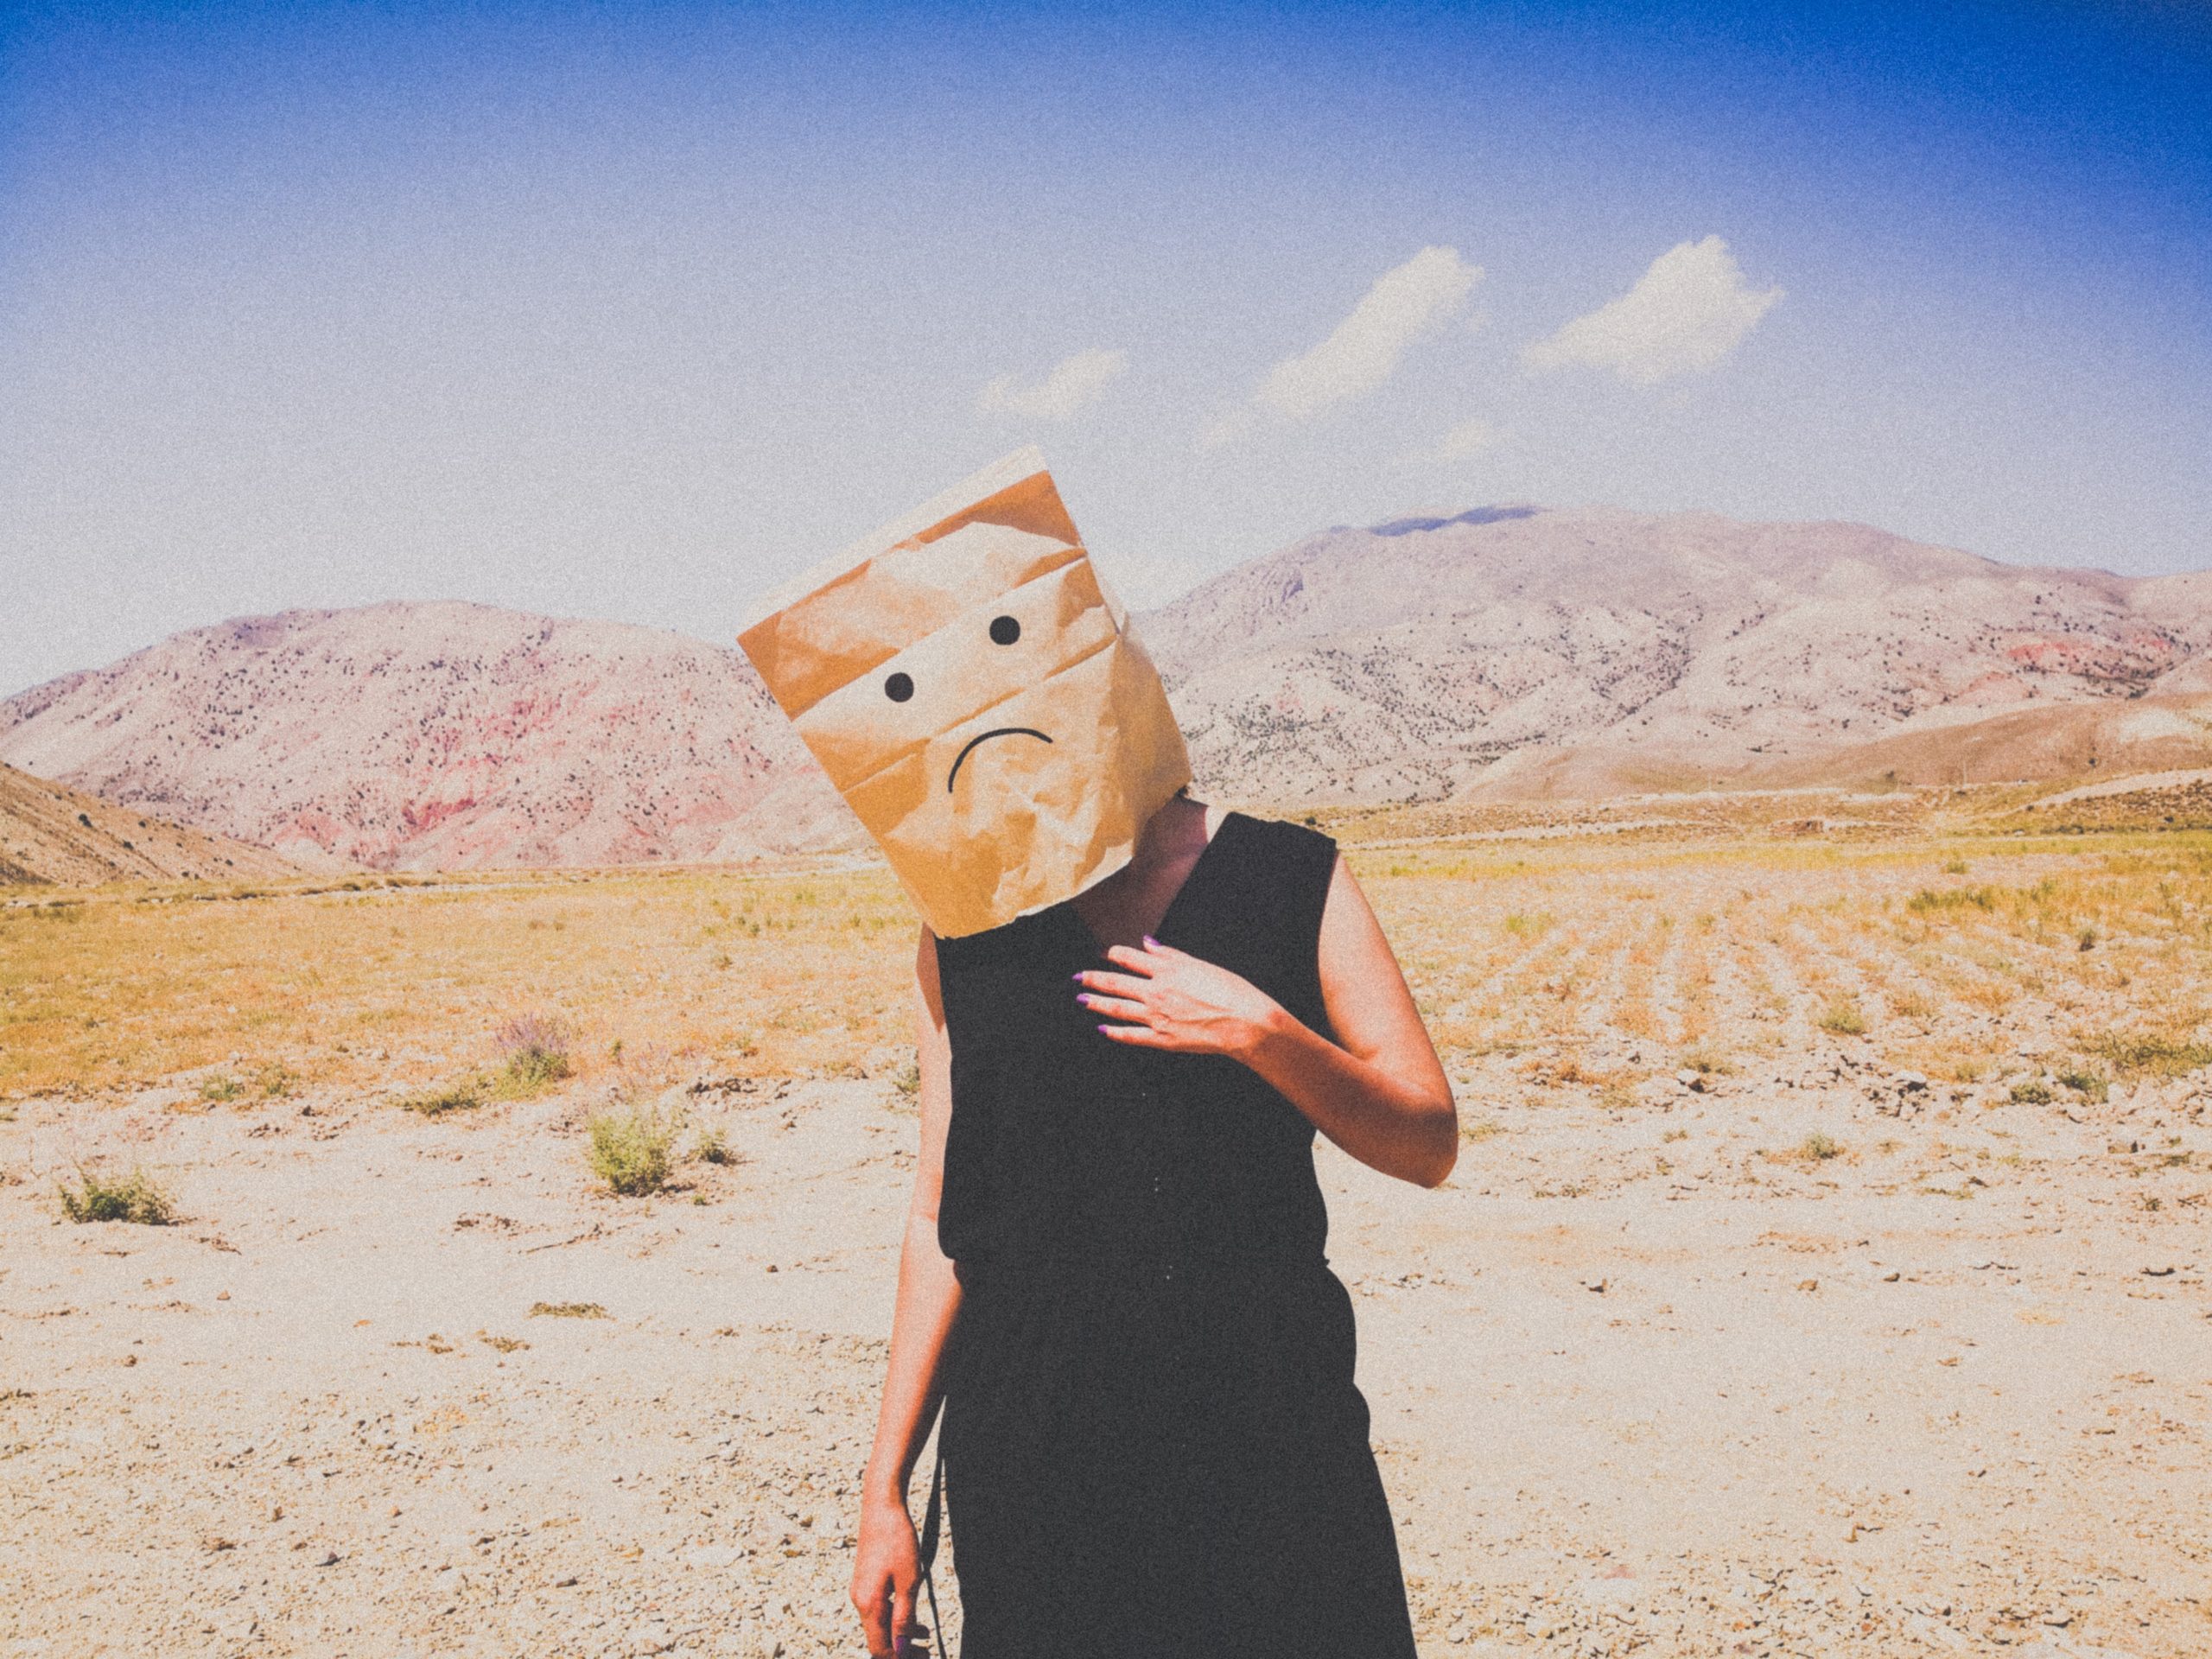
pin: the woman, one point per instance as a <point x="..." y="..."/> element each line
<point x="1114" y="1271"/>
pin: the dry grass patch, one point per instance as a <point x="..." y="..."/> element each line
<point x="465" y="1094"/>
<point x="1843" y="1017"/>
<point x="568" y="1311"/>
<point x="533" y="1055"/>
<point x="147" y="982"/>
<point x="2156" y="1055"/>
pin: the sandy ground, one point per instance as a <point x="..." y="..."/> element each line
<point x="1637" y="1386"/>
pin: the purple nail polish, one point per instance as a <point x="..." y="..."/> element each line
<point x="1151" y="944"/>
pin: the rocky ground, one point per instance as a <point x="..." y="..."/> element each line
<point x="1651" y="1376"/>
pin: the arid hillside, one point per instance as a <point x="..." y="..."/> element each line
<point x="438" y="736"/>
<point x="1533" y="651"/>
<point x="53" y="835"/>
<point x="1507" y="653"/>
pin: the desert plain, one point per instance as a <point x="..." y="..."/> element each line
<point x="1823" y="1272"/>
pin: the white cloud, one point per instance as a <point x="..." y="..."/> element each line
<point x="1469" y="437"/>
<point x="1075" y="384"/>
<point x="1405" y="304"/>
<point x="1684" y="316"/>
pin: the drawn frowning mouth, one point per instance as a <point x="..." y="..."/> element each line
<point x="969" y="748"/>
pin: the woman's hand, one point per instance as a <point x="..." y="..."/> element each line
<point x="886" y="1574"/>
<point x="1170" y="1000"/>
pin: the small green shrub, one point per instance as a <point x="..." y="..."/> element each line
<point x="630" y="1150"/>
<point x="908" y="1080"/>
<point x="134" y="1197"/>
<point x="533" y="1055"/>
<point x="2088" y="1084"/>
<point x="1842" y="1017"/>
<point x="2153" y="1055"/>
<point x="220" y="1088"/>
<point x="1707" y="1062"/>
<point x="1817" y="1147"/>
<point x="2034" y="1092"/>
<point x="711" y="1148"/>
<point x="568" y="1311"/>
<point x="464" y="1094"/>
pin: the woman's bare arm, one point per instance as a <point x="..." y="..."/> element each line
<point x="886" y="1566"/>
<point x="1378" y="1091"/>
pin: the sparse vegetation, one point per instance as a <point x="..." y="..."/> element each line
<point x="1842" y="1017"/>
<point x="630" y="1149"/>
<point x="2090" y="1085"/>
<point x="1817" y="1147"/>
<point x="711" y="1148"/>
<point x="2152" y="1054"/>
<point x="568" y="1311"/>
<point x="533" y="1055"/>
<point x="1554" y="954"/>
<point x="462" y="1094"/>
<point x="1707" y="1062"/>
<point x="134" y="1198"/>
<point x="1929" y="898"/>
<point x="2033" y="1093"/>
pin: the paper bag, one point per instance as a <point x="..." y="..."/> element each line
<point x="973" y="691"/>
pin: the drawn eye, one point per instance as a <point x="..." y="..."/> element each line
<point x="899" y="688"/>
<point x="1005" y="631"/>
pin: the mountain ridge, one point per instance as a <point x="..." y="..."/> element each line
<point x="439" y="734"/>
<point x="1436" y="656"/>
<point x="1505" y="651"/>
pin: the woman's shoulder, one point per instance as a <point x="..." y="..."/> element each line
<point x="1304" y="841"/>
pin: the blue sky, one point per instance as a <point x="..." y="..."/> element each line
<point x="630" y="311"/>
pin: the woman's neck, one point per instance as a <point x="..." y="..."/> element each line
<point x="1132" y="902"/>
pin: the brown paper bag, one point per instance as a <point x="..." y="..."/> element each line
<point x="973" y="689"/>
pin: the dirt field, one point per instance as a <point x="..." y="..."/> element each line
<point x="1823" y="1272"/>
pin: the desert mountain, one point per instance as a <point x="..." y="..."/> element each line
<point x="1504" y="652"/>
<point x="438" y="736"/>
<point x="1521" y="651"/>
<point x="49" y="834"/>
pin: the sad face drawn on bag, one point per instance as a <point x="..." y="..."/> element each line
<point x="900" y="687"/>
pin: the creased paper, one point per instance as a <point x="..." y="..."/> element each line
<point x="975" y="694"/>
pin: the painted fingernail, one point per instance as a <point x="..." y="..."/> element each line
<point x="1082" y="997"/>
<point x="1151" y="944"/>
<point x="1104" y="1027"/>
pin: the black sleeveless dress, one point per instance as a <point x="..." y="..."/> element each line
<point x="1153" y="1446"/>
